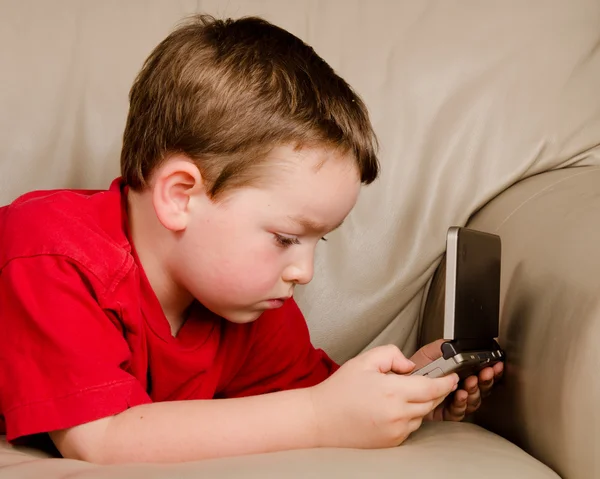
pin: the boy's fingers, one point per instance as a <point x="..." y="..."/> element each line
<point x="486" y="374"/>
<point x="421" y="409"/>
<point x="455" y="415"/>
<point x="470" y="384"/>
<point x="486" y="381"/>
<point x="387" y="359"/>
<point x="422" y="389"/>
<point x="438" y="401"/>
<point x="457" y="409"/>
<point x="428" y="353"/>
<point x="473" y="402"/>
<point x="460" y="397"/>
<point x="415" y="424"/>
<point x="498" y="370"/>
<point x="485" y="388"/>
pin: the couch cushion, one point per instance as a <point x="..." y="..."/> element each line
<point x="449" y="450"/>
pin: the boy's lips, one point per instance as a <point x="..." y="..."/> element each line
<point x="277" y="302"/>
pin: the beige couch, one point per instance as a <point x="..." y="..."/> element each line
<point x="481" y="106"/>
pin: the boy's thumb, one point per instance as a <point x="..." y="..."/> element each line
<point x="387" y="359"/>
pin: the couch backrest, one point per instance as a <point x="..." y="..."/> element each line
<point x="467" y="98"/>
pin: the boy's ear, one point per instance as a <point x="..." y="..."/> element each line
<point x="174" y="183"/>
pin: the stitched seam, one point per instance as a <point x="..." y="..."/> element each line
<point x="91" y="388"/>
<point x="540" y="192"/>
<point x="115" y="280"/>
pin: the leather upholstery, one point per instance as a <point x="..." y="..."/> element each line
<point x="450" y="450"/>
<point x="467" y="98"/>
<point x="550" y="318"/>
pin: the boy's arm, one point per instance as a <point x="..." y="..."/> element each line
<point x="61" y="352"/>
<point x="359" y="406"/>
<point x="192" y="430"/>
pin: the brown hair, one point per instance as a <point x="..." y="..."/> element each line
<point x="225" y="92"/>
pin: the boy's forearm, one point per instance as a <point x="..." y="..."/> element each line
<point x="192" y="430"/>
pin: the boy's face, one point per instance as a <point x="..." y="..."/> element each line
<point x="244" y="254"/>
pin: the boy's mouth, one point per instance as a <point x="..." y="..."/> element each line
<point x="277" y="302"/>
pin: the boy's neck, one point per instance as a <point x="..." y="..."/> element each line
<point x="152" y="243"/>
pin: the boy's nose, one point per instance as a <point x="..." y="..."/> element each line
<point x="300" y="272"/>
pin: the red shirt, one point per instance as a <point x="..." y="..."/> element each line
<point x="83" y="335"/>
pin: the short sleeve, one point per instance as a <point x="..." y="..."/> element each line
<point x="281" y="356"/>
<point x="62" y="356"/>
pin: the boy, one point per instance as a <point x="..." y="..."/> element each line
<point x="155" y="321"/>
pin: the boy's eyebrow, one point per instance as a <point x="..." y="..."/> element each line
<point x="311" y="225"/>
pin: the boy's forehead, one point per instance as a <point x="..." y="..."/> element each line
<point x="288" y="161"/>
<point x="312" y="188"/>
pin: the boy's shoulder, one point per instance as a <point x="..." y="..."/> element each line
<point x="86" y="227"/>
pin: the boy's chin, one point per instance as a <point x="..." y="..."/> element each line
<point x="242" y="317"/>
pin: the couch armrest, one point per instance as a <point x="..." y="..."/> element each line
<point x="437" y="450"/>
<point x="550" y="318"/>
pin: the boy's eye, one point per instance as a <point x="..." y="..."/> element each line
<point x="285" y="241"/>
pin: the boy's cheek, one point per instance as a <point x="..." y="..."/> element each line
<point x="246" y="281"/>
<point x="241" y="273"/>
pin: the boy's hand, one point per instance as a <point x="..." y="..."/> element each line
<point x="467" y="399"/>
<point x="362" y="406"/>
